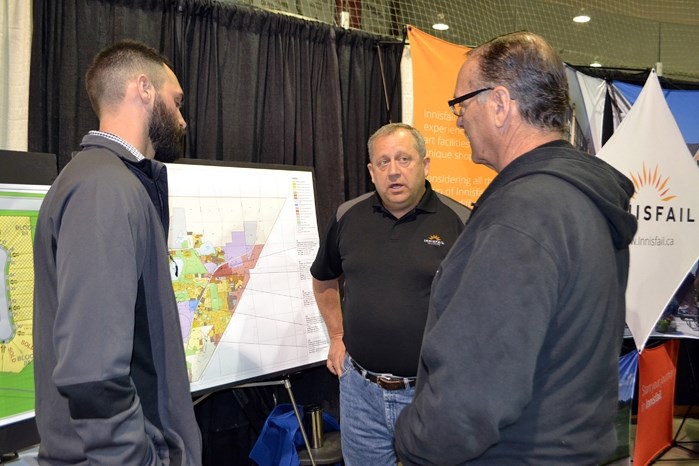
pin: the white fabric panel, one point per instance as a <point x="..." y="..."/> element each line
<point x="15" y="60"/>
<point x="580" y="135"/>
<point x="621" y="105"/>
<point x="648" y="148"/>
<point x="593" y="93"/>
<point x="406" y="81"/>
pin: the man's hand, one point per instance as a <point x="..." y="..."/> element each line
<point x="336" y="355"/>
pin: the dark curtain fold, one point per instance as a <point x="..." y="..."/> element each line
<point x="67" y="35"/>
<point x="608" y="117"/>
<point x="367" y="88"/>
<point x="259" y="87"/>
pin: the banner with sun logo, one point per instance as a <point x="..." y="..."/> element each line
<point x="649" y="148"/>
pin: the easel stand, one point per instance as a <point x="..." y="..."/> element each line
<point x="287" y="384"/>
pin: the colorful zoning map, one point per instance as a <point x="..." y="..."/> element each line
<point x="241" y="243"/>
<point x="19" y="206"/>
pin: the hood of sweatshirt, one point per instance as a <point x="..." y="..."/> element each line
<point x="608" y="188"/>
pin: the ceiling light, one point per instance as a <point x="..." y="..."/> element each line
<point x="440" y="25"/>
<point x="581" y="17"/>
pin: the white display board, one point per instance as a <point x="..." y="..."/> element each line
<point x="241" y="244"/>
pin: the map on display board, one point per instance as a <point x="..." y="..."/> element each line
<point x="241" y="244"/>
<point x="19" y="207"/>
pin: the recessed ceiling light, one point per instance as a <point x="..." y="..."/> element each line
<point x="581" y="17"/>
<point x="440" y="25"/>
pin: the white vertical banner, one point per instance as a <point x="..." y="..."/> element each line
<point x="15" y="60"/>
<point x="593" y="91"/>
<point x="648" y="148"/>
<point x="406" y="85"/>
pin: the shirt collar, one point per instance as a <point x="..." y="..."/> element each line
<point x="428" y="202"/>
<point x="112" y="137"/>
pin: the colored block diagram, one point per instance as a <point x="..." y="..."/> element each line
<point x="19" y="207"/>
<point x="206" y="300"/>
<point x="16" y="293"/>
<point x="241" y="241"/>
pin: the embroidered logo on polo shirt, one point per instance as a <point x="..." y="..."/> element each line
<point x="434" y="240"/>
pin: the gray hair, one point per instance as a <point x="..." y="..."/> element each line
<point x="534" y="74"/>
<point x="391" y="128"/>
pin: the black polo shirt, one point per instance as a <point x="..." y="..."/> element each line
<point x="388" y="265"/>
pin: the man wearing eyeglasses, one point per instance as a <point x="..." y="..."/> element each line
<point x="386" y="246"/>
<point x="526" y="317"/>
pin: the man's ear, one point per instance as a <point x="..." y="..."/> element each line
<point x="503" y="104"/>
<point x="146" y="91"/>
<point x="370" y="167"/>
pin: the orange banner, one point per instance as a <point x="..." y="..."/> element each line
<point x="657" y="369"/>
<point x="436" y="64"/>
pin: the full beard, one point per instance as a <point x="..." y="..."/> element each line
<point x="165" y="133"/>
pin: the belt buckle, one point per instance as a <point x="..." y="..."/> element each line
<point x="388" y="383"/>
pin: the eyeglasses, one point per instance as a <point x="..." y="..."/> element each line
<point x="457" y="100"/>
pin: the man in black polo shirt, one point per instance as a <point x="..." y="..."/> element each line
<point x="386" y="247"/>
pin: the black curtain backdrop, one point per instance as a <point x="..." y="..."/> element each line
<point x="66" y="36"/>
<point x="365" y="88"/>
<point x="259" y="87"/>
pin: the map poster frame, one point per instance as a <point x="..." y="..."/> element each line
<point x="245" y="235"/>
<point x="24" y="179"/>
<point x="295" y="199"/>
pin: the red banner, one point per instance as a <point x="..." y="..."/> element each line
<point x="657" y="369"/>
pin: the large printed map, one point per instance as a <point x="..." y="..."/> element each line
<point x="19" y="206"/>
<point x="241" y="242"/>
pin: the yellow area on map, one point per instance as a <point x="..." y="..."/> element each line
<point x="16" y="293"/>
<point x="214" y="296"/>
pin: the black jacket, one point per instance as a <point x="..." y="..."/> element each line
<point x="520" y="352"/>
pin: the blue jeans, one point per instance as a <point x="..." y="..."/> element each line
<point x="368" y="415"/>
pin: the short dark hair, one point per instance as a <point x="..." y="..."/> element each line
<point x="106" y="77"/>
<point x="533" y="72"/>
<point x="391" y="128"/>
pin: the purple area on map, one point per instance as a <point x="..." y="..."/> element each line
<point x="235" y="251"/>
<point x="186" y="311"/>
<point x="210" y="267"/>
<point x="186" y="317"/>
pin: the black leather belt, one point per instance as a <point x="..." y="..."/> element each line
<point x="387" y="382"/>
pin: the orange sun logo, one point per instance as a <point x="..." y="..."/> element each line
<point x="434" y="238"/>
<point x="654" y="180"/>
